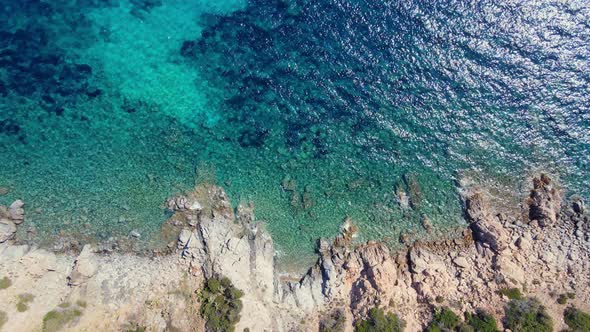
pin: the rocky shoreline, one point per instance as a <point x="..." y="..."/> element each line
<point x="545" y="252"/>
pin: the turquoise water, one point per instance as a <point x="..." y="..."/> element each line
<point x="313" y="110"/>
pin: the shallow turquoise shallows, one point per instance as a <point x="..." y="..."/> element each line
<point x="313" y="110"/>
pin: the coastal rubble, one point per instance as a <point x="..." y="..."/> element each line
<point x="544" y="201"/>
<point x="548" y="255"/>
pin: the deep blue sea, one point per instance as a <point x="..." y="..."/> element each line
<point x="313" y="110"/>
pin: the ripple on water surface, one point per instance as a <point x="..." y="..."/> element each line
<point x="313" y="110"/>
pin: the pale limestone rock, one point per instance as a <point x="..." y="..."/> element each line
<point x="16" y="211"/>
<point x="14" y="252"/>
<point x="17" y="204"/>
<point x="38" y="262"/>
<point x="403" y="200"/>
<point x="195" y="206"/>
<point x="523" y="243"/>
<point x="183" y="238"/>
<point x="418" y="262"/>
<point x="85" y="267"/>
<point x="461" y="262"/>
<point x="510" y="270"/>
<point x="7" y="230"/>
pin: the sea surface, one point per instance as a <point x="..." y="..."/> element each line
<point x="314" y="111"/>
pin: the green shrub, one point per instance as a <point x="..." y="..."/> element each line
<point x="527" y="315"/>
<point x="23" y="302"/>
<point x="439" y="299"/>
<point x="444" y="320"/>
<point x="378" y="321"/>
<point x="220" y="305"/>
<point x="5" y="283"/>
<point x="511" y="293"/>
<point x="562" y="299"/>
<point x="225" y="282"/>
<point x="481" y="321"/>
<point x="213" y="285"/>
<point x="571" y="296"/>
<point x="55" y="320"/>
<point x="334" y="322"/>
<point x="3" y="319"/>
<point x="577" y="320"/>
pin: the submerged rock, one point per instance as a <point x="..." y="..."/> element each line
<point x="403" y="199"/>
<point x="195" y="206"/>
<point x="17" y="213"/>
<point x="427" y="224"/>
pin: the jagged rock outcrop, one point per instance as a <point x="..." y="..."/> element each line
<point x="544" y="201"/>
<point x="352" y="278"/>
<point x="7" y="230"/>
<point x="487" y="230"/>
<point x="85" y="267"/>
<point x="223" y="244"/>
<point x="17" y="212"/>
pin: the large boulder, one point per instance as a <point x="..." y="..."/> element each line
<point x="362" y="275"/>
<point x="485" y="227"/>
<point x="85" y="267"/>
<point x="16" y="211"/>
<point x="544" y="201"/>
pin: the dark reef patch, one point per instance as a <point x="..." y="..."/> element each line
<point x="34" y="61"/>
<point x="35" y="69"/>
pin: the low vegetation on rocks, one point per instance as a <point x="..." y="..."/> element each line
<point x="480" y="321"/>
<point x="564" y="298"/>
<point x="379" y="321"/>
<point x="577" y="320"/>
<point x="3" y="319"/>
<point x="220" y="305"/>
<point x="527" y="315"/>
<point x="23" y="302"/>
<point x="445" y="320"/>
<point x="5" y="282"/>
<point x="511" y="293"/>
<point x="57" y="319"/>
